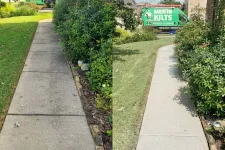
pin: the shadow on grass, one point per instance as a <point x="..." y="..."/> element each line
<point x="118" y="53"/>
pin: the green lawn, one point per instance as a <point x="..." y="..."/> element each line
<point x="132" y="72"/>
<point x="16" y="35"/>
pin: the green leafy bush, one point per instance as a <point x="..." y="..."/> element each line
<point x="31" y="5"/>
<point x="100" y="75"/>
<point x="203" y="66"/>
<point x="80" y="35"/>
<point x="61" y="10"/>
<point x="6" y="10"/>
<point x="206" y="79"/>
<point x="84" y="30"/>
<point x="190" y="37"/>
<point x="84" y="27"/>
<point x="24" y="11"/>
<point x="136" y="36"/>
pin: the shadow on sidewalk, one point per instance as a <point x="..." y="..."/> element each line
<point x="183" y="97"/>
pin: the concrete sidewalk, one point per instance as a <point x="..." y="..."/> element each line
<point x="46" y="112"/>
<point x="170" y="120"/>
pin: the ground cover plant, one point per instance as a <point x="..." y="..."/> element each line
<point x="16" y="37"/>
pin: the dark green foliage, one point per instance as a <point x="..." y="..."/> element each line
<point x="206" y="79"/>
<point x="187" y="39"/>
<point x="170" y="2"/>
<point x="127" y="15"/>
<point x="100" y="75"/>
<point x="62" y="8"/>
<point x="203" y="63"/>
<point x="2" y="4"/>
<point x="86" y="29"/>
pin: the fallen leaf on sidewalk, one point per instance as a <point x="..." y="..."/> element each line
<point x="17" y="124"/>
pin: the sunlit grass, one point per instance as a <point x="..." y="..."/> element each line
<point x="16" y="35"/>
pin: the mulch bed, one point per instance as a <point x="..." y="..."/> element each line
<point x="94" y="115"/>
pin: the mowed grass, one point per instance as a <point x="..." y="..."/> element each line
<point x="133" y="68"/>
<point x="16" y="35"/>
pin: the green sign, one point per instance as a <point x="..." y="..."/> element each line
<point x="162" y="17"/>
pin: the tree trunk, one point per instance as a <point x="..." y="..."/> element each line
<point x="210" y="11"/>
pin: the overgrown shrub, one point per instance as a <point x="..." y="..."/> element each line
<point x="203" y="66"/>
<point x="6" y="10"/>
<point x="206" y="79"/>
<point x="80" y="35"/>
<point x="61" y="10"/>
<point x="24" y="11"/>
<point x="190" y="37"/>
<point x="84" y="27"/>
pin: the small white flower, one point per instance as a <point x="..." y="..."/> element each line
<point x="103" y="85"/>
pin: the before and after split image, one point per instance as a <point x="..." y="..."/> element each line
<point x="112" y="75"/>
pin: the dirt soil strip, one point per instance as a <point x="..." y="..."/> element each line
<point x="96" y="118"/>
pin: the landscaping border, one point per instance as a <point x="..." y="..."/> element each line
<point x="207" y="126"/>
<point x="91" y="118"/>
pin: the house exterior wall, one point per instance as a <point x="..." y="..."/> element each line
<point x="191" y="4"/>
